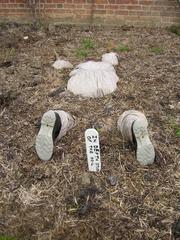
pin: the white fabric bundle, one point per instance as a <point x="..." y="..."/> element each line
<point x="93" y="79"/>
<point x="92" y="66"/>
<point x="61" y="64"/>
<point x="111" y="58"/>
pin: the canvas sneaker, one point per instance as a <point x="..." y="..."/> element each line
<point x="145" y="152"/>
<point x="49" y="130"/>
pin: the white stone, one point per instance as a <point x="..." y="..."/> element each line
<point x="61" y="64"/>
<point x="178" y="105"/>
<point x="171" y="106"/>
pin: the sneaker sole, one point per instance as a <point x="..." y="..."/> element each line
<point x="145" y="151"/>
<point x="44" y="140"/>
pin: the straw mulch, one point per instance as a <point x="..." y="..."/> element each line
<point x="59" y="199"/>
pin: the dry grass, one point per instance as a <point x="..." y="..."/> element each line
<point x="47" y="200"/>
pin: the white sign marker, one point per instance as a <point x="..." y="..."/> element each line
<point x="93" y="150"/>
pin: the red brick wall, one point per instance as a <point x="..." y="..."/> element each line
<point x="117" y="12"/>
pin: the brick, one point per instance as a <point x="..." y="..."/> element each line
<point x="20" y="5"/>
<point x="112" y="1"/>
<point x="101" y="1"/>
<point x="110" y="6"/>
<point x="100" y="11"/>
<point x="51" y="10"/>
<point x="132" y="18"/>
<point x="149" y="18"/>
<point x="99" y="6"/>
<point x="121" y="12"/>
<point x="21" y="1"/>
<point x="174" y="14"/>
<point x="127" y="1"/>
<point x="156" y="8"/>
<point x="174" y="19"/>
<point x="155" y="13"/>
<point x="134" y="7"/>
<point x="135" y="13"/>
<point x="58" y="1"/>
<point x="122" y="7"/>
<point x="79" y="6"/>
<point x="41" y="6"/>
<point x="3" y="5"/>
<point x="110" y="12"/>
<point x="80" y="11"/>
<point x="88" y="6"/>
<point x="78" y="1"/>
<point x="3" y="10"/>
<point x="69" y="5"/>
<point x="166" y="3"/>
<point x="146" y="2"/>
<point x="20" y="10"/>
<point x="170" y="8"/>
<point x="50" y="5"/>
<point x="144" y="13"/>
<point x="59" y="5"/>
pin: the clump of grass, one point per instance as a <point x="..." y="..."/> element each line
<point x="87" y="43"/>
<point x="176" y="128"/>
<point x="7" y="238"/>
<point x="82" y="53"/>
<point x="3" y="24"/>
<point x="8" y="54"/>
<point x="12" y="52"/>
<point x="122" y="48"/>
<point x="40" y="24"/>
<point x="178" y="132"/>
<point x="156" y="50"/>
<point x="175" y="29"/>
<point x="111" y="46"/>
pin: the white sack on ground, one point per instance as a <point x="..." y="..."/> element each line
<point x="93" y="83"/>
<point x="61" y="64"/>
<point x="93" y="79"/>
<point x="92" y="66"/>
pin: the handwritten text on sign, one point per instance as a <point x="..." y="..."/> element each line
<point x="93" y="150"/>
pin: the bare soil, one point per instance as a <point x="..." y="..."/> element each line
<point x="56" y="200"/>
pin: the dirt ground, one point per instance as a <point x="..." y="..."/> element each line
<point x="56" y="200"/>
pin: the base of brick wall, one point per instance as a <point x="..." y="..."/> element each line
<point x="97" y="21"/>
<point x="151" y="13"/>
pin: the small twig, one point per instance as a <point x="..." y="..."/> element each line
<point x="57" y="56"/>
